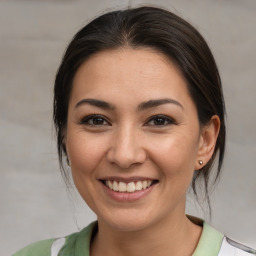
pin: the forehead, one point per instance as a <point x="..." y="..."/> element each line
<point x="140" y="73"/>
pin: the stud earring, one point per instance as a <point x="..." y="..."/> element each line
<point x="200" y="162"/>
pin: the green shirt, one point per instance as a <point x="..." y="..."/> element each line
<point x="78" y="244"/>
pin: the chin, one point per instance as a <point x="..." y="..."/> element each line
<point x="127" y="222"/>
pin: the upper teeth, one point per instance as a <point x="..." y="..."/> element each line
<point x="128" y="187"/>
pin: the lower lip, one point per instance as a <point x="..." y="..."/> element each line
<point x="128" y="196"/>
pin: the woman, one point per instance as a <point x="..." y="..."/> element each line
<point x="139" y="115"/>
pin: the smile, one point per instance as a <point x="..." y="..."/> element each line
<point x="119" y="186"/>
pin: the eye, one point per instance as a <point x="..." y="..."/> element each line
<point x="94" y="120"/>
<point x="159" y="120"/>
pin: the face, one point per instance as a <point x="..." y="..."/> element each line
<point x="132" y="138"/>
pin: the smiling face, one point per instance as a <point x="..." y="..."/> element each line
<point x="132" y="137"/>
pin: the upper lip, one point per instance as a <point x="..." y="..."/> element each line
<point x="126" y="179"/>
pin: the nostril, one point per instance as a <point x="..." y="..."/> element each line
<point x="126" y="159"/>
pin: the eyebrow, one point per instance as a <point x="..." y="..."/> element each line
<point x="158" y="102"/>
<point x="97" y="103"/>
<point x="142" y="106"/>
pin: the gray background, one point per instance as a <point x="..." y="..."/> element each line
<point x="34" y="203"/>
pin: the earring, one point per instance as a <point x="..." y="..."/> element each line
<point x="67" y="160"/>
<point x="200" y="162"/>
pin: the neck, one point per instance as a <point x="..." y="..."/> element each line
<point x="167" y="237"/>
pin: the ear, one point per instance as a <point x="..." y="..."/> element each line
<point x="207" y="141"/>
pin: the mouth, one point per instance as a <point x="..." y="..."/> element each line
<point x="128" y="187"/>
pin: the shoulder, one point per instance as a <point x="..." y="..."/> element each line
<point x="232" y="248"/>
<point x="215" y="243"/>
<point x="41" y="248"/>
<point x="79" y="241"/>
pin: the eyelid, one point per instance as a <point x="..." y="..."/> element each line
<point x="85" y="120"/>
<point x="169" y="119"/>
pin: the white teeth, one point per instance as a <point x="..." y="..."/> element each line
<point x="110" y="184"/>
<point x="122" y="187"/>
<point x="115" y="186"/>
<point x="144" y="184"/>
<point x="139" y="185"/>
<point x="128" y="187"/>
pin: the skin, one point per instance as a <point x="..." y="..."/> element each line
<point x="127" y="141"/>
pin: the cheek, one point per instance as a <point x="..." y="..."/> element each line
<point x="85" y="152"/>
<point x="175" y="155"/>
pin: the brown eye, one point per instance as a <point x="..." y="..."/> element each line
<point x="159" y="120"/>
<point x="95" y="120"/>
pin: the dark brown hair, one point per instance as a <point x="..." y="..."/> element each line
<point x="166" y="33"/>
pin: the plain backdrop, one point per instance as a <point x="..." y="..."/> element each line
<point x="34" y="203"/>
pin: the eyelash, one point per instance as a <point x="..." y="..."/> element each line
<point x="163" y="118"/>
<point x="86" y="120"/>
<point x="167" y="120"/>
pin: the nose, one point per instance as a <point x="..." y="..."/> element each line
<point x="126" y="149"/>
